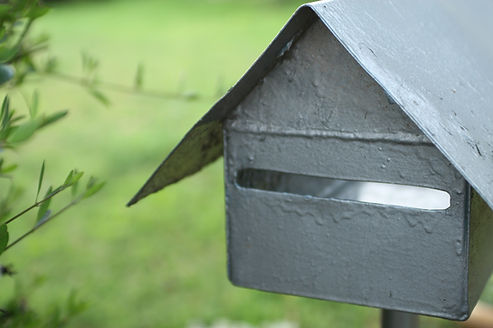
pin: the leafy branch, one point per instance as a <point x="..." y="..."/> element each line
<point x="92" y="188"/>
<point x="72" y="178"/>
<point x="45" y="215"/>
<point x="121" y="88"/>
<point x="15" y="129"/>
<point x="90" y="81"/>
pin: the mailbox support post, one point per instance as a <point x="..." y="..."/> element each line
<point x="397" y="319"/>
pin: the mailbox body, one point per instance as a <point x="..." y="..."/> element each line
<point x="319" y="115"/>
<point x="318" y="105"/>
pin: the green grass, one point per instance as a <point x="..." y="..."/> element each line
<point x="161" y="263"/>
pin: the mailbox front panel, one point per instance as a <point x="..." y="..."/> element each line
<point x="378" y="255"/>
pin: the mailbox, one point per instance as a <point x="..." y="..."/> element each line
<point x="352" y="94"/>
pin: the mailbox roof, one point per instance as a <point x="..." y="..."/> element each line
<point x="434" y="58"/>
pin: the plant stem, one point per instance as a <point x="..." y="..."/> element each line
<point x="40" y="224"/>
<point x="122" y="88"/>
<point x="24" y="32"/>
<point x="21" y="213"/>
<point x="21" y="54"/>
<point x="36" y="204"/>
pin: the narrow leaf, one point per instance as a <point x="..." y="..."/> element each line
<point x="40" y="181"/>
<point x="77" y="177"/>
<point x="5" y="111"/>
<point x="190" y="95"/>
<point x="4" y="237"/>
<point x="43" y="208"/>
<point x="85" y="60"/>
<point x="68" y="178"/>
<point x="17" y="118"/>
<point x="74" y="305"/>
<point x="99" y="96"/>
<point x="92" y="187"/>
<point x="54" y="191"/>
<point x="91" y="182"/>
<point x="37" y="12"/>
<point x="43" y="218"/>
<point x="23" y="132"/>
<point x="33" y="109"/>
<point x="139" y="77"/>
<point x="51" y="65"/>
<point x="9" y="168"/>
<point x="74" y="188"/>
<point x="7" y="53"/>
<point x="50" y="119"/>
<point x="73" y="177"/>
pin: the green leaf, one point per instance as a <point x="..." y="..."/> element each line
<point x="6" y="73"/>
<point x="68" y="178"/>
<point x="89" y="63"/>
<point x="40" y="40"/>
<point x="93" y="187"/>
<point x="74" y="188"/>
<point x="7" y="53"/>
<point x="50" y="119"/>
<point x="37" y="11"/>
<point x="4" y="9"/>
<point x="139" y="77"/>
<point x="190" y="95"/>
<point x="43" y="218"/>
<point x="91" y="182"/>
<point x="74" y="305"/>
<point x="16" y="118"/>
<point x="4" y="114"/>
<point x="33" y="109"/>
<point x="73" y="177"/>
<point x="23" y="132"/>
<point x="51" y="65"/>
<point x="4" y="237"/>
<point x="40" y="181"/>
<point x="44" y="207"/>
<point x="8" y="169"/>
<point x="99" y="96"/>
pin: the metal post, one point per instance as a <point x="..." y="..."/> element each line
<point x="397" y="319"/>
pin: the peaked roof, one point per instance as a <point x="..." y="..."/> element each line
<point x="434" y="58"/>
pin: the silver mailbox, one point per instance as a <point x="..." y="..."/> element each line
<point x="340" y="100"/>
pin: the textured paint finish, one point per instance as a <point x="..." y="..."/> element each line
<point x="383" y="91"/>
<point x="480" y="245"/>
<point x="329" y="94"/>
<point x="334" y="249"/>
<point x="432" y="57"/>
<point x="347" y="251"/>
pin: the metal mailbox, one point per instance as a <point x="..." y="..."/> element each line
<point x="338" y="100"/>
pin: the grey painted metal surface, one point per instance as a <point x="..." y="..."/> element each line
<point x="433" y="58"/>
<point x="295" y="240"/>
<point x="368" y="99"/>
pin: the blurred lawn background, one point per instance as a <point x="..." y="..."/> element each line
<point x="161" y="263"/>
